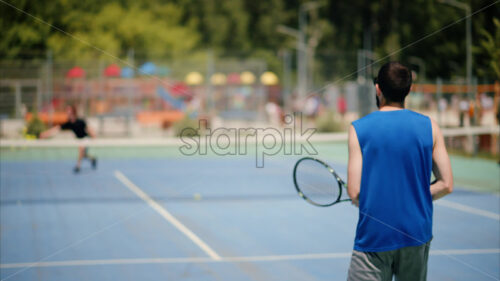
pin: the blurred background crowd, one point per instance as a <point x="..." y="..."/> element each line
<point x="151" y="68"/>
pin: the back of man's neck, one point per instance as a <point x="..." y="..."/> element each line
<point x="391" y="107"/>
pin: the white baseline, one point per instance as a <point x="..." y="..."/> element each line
<point x="241" y="259"/>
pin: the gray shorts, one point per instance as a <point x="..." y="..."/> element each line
<point x="408" y="263"/>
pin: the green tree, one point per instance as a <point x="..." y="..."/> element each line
<point x="116" y="29"/>
<point x="489" y="47"/>
<point x="154" y="29"/>
<point x="165" y="29"/>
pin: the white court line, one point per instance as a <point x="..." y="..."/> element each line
<point x="166" y="215"/>
<point x="463" y="252"/>
<point x="241" y="259"/>
<point x="467" y="209"/>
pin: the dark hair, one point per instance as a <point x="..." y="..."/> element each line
<point x="394" y="80"/>
<point x="73" y="109"/>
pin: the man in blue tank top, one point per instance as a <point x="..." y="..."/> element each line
<point x="391" y="155"/>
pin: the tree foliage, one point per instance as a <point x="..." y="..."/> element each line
<point x="489" y="46"/>
<point x="164" y="29"/>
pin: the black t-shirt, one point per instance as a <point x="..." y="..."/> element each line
<point x="79" y="127"/>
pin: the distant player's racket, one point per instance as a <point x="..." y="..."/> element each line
<point x="318" y="183"/>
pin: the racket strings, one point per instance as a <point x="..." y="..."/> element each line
<point x="321" y="191"/>
<point x="317" y="183"/>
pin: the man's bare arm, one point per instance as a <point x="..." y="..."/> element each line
<point x="354" y="167"/>
<point x="441" y="166"/>
<point x="91" y="132"/>
<point x="50" y="132"/>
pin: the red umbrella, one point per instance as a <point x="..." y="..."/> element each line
<point x="180" y="89"/>
<point x="112" y="70"/>
<point x="76" y="72"/>
<point x="233" y="78"/>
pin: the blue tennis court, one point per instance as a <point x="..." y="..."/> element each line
<point x="210" y="218"/>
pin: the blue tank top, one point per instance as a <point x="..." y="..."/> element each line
<point x="395" y="203"/>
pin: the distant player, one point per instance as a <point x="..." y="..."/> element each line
<point x="81" y="131"/>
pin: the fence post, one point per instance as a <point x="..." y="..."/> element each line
<point x="209" y="96"/>
<point x="38" y="95"/>
<point x="287" y="65"/>
<point x="50" y="93"/>
<point x="18" y="98"/>
<point x="262" y="94"/>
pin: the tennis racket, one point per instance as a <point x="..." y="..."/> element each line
<point x="318" y="183"/>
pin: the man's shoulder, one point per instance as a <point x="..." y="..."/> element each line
<point x="423" y="119"/>
<point x="365" y="118"/>
<point x="80" y="121"/>
<point x="417" y="114"/>
<point x="66" y="125"/>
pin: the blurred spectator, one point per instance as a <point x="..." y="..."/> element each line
<point x="454" y="102"/>
<point x="486" y="102"/>
<point x="23" y="110"/>
<point x="274" y="113"/>
<point x="463" y="107"/>
<point x="311" y="106"/>
<point x="498" y="121"/>
<point x="472" y="111"/>
<point x="341" y="105"/>
<point x="296" y="103"/>
<point x="442" y="106"/>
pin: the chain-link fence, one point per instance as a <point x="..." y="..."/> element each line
<point x="206" y="85"/>
<point x="160" y="92"/>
